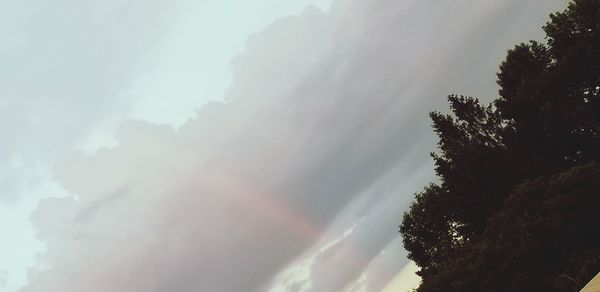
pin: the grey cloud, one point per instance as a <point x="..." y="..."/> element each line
<point x="354" y="255"/>
<point x="374" y="217"/>
<point x="322" y="108"/>
<point x="95" y="206"/>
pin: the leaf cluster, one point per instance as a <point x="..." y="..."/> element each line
<point x="514" y="209"/>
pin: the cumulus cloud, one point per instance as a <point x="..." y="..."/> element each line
<point x="64" y="66"/>
<point x="325" y="127"/>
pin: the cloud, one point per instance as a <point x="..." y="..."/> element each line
<point x="372" y="248"/>
<point x="361" y="249"/>
<point x="326" y="119"/>
<point x="64" y="67"/>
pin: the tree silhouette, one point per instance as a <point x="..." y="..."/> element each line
<point x="519" y="191"/>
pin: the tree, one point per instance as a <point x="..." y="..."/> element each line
<point x="512" y="210"/>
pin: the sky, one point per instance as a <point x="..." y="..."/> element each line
<point x="229" y="145"/>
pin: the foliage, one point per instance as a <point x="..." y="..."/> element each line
<point x="514" y="208"/>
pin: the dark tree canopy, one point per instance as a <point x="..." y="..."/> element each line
<point x="517" y="207"/>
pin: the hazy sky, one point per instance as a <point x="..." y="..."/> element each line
<point x="231" y="145"/>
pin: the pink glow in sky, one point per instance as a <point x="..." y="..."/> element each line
<point x="177" y="146"/>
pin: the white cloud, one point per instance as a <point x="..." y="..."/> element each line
<point x="72" y="70"/>
<point x="65" y="65"/>
<point x="192" y="64"/>
<point x="325" y="119"/>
